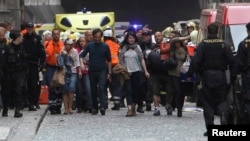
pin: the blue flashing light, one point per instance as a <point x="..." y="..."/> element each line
<point x="84" y="9"/>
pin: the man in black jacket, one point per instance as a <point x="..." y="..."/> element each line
<point x="213" y="56"/>
<point x="36" y="57"/>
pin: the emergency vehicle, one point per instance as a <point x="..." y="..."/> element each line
<point x="232" y="18"/>
<point x="81" y="22"/>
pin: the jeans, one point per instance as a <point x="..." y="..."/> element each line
<point x="98" y="80"/>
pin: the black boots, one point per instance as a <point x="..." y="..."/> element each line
<point x="18" y="113"/>
<point x="205" y="134"/>
<point x="179" y="112"/>
<point x="223" y="119"/>
<point x="102" y="111"/>
<point x="32" y="108"/>
<point x="5" y="112"/>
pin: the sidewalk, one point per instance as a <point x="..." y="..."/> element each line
<point x="21" y="129"/>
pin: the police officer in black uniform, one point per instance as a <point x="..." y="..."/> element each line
<point x="36" y="56"/>
<point x="213" y="56"/>
<point x="242" y="65"/>
<point x="15" y="67"/>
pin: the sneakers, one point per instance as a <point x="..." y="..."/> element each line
<point x="157" y="112"/>
<point x="169" y="110"/>
<point x="37" y="106"/>
<point x="115" y="108"/>
<point x="32" y="108"/>
<point x="140" y="109"/>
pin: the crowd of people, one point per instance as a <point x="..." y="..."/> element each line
<point x="135" y="70"/>
<point x="128" y="64"/>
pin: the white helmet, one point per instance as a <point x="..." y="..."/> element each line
<point x="108" y="32"/>
<point x="46" y="32"/>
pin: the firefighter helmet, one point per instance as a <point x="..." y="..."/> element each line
<point x="191" y="24"/>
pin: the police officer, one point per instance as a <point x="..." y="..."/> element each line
<point x="242" y="64"/>
<point x="15" y="67"/>
<point x="213" y="56"/>
<point x="36" y="56"/>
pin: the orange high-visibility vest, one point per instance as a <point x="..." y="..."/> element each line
<point x="52" y="49"/>
<point x="114" y="50"/>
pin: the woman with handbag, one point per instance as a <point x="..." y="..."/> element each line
<point x="179" y="51"/>
<point x="72" y="64"/>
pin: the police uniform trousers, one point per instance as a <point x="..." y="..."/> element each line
<point x="14" y="86"/>
<point x="215" y="95"/>
<point x="33" y="86"/>
<point x="246" y="94"/>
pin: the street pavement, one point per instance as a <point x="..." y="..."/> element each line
<point x="21" y="129"/>
<point x="114" y="126"/>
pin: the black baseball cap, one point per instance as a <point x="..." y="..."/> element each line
<point x="30" y="24"/>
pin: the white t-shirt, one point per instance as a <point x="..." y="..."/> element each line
<point x="132" y="61"/>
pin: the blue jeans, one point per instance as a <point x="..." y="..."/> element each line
<point x="98" y="79"/>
